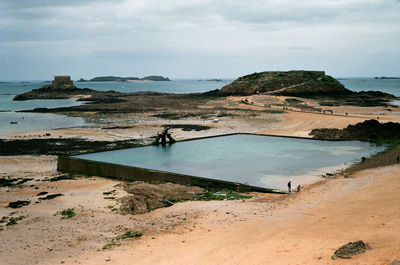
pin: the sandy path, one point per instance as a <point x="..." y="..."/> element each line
<point x="305" y="229"/>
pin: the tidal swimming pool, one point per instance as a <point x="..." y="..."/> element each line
<point x="261" y="161"/>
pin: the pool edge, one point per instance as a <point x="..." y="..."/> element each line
<point x="129" y="173"/>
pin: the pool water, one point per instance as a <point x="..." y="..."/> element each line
<point x="262" y="161"/>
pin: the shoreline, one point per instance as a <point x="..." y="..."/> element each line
<point x="304" y="227"/>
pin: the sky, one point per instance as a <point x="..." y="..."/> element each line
<point x="197" y="38"/>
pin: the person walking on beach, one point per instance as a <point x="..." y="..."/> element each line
<point x="289" y="186"/>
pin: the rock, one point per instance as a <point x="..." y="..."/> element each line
<point x="291" y="83"/>
<point x="369" y="130"/>
<point x="395" y="262"/>
<point x="351" y="249"/>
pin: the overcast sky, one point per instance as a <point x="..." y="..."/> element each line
<point x="197" y="38"/>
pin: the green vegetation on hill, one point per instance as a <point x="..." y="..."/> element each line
<point x="285" y="83"/>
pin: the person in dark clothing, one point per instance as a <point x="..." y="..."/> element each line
<point x="289" y="186"/>
<point x="398" y="159"/>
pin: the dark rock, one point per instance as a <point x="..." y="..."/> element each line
<point x="351" y="249"/>
<point x="51" y="196"/>
<point x="395" y="262"/>
<point x="369" y="130"/>
<point x="18" y="204"/>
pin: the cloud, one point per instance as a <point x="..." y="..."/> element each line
<point x="256" y="34"/>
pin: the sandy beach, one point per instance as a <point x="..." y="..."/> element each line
<point x="299" y="228"/>
<point x="199" y="132"/>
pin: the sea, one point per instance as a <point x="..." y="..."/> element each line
<point x="12" y="120"/>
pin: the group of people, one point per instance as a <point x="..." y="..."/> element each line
<point x="289" y="185"/>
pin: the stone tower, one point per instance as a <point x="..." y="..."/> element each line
<point x="62" y="82"/>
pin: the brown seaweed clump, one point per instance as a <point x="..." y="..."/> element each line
<point x="145" y="197"/>
<point x="351" y="249"/>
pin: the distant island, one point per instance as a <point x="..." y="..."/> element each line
<point x="386" y="77"/>
<point x="214" y="80"/>
<point x="62" y="87"/>
<point x="125" y="79"/>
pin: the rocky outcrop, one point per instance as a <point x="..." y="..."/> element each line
<point x="291" y="83"/>
<point x="62" y="87"/>
<point x="369" y="130"/>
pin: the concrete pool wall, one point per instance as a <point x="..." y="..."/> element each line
<point x="129" y="173"/>
<point x="111" y="164"/>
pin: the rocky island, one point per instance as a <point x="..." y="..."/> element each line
<point x="285" y="83"/>
<point x="386" y="77"/>
<point x="305" y="84"/>
<point x="125" y="79"/>
<point x="62" y="87"/>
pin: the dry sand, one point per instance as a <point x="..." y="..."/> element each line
<point x="301" y="228"/>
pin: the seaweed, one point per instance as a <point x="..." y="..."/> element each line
<point x="18" y="204"/>
<point x="126" y="235"/>
<point x="109" y="192"/>
<point x="8" y="182"/>
<point x="188" y="127"/>
<point x="66" y="213"/>
<point x="14" y="220"/>
<point x="51" y="196"/>
<point x="214" y="195"/>
<point x="56" y="146"/>
<point x="62" y="177"/>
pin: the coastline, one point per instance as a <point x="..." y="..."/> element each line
<point x="305" y="227"/>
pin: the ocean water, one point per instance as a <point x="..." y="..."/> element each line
<point x="12" y="121"/>
<point x="263" y="161"/>
<point x="17" y="122"/>
<point x="174" y="86"/>
<point x="9" y="108"/>
<point x="391" y="86"/>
